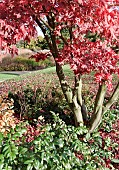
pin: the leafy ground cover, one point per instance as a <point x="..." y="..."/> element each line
<point x="43" y="135"/>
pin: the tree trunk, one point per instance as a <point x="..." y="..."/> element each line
<point x="76" y="109"/>
<point x="98" y="108"/>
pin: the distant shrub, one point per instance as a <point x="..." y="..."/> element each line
<point x="18" y="64"/>
<point x="21" y="63"/>
<point x="28" y="63"/>
<point x="4" y="64"/>
<point x="48" y="62"/>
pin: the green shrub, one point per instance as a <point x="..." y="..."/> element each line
<point x="58" y="147"/>
<point x="29" y="103"/>
<point x="49" y="62"/>
<point x="28" y="63"/>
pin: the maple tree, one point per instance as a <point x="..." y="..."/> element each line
<point x="92" y="28"/>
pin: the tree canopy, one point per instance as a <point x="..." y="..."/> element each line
<point x="81" y="17"/>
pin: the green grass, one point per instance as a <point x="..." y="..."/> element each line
<point x="4" y="76"/>
<point x="53" y="70"/>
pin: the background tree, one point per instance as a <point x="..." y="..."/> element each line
<point x="41" y="43"/>
<point x="77" y="18"/>
<point x="34" y="44"/>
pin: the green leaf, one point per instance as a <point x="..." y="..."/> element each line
<point x="1" y="165"/>
<point x="115" y="161"/>
<point x="6" y="147"/>
<point x="36" y="164"/>
<point x="16" y="135"/>
<point x="7" y="154"/>
<point x="1" y="138"/>
<point x="59" y="142"/>
<point x="29" y="167"/>
<point x="29" y="161"/>
<point x="87" y="136"/>
<point x="1" y="157"/>
<point x="8" y="167"/>
<point x="12" y="156"/>
<point x="23" y="130"/>
<point x="23" y="150"/>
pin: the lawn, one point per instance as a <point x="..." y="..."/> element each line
<point x="7" y="76"/>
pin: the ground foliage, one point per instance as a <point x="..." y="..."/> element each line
<point x="58" y="146"/>
<point x="47" y="141"/>
<point x="75" y="35"/>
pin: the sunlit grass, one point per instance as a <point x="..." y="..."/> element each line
<point x="7" y="76"/>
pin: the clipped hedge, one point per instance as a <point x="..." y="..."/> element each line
<point x="28" y="64"/>
<point x="18" y="64"/>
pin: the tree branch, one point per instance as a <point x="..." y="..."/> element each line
<point x="97" y="115"/>
<point x="44" y="32"/>
<point x="78" y="88"/>
<point x="112" y="99"/>
<point x="46" y="24"/>
<point x="98" y="100"/>
<point x="70" y="33"/>
<point x="63" y="39"/>
<point x="78" y="85"/>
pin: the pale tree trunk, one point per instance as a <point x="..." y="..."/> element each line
<point x="100" y="109"/>
<point x="75" y="101"/>
<point x="73" y="97"/>
<point x="78" y="104"/>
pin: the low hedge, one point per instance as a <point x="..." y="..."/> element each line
<point x="24" y="64"/>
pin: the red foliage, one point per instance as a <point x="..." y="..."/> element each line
<point x="20" y="17"/>
<point x="114" y="136"/>
<point x="31" y="133"/>
<point x="79" y="155"/>
<point x="40" y="56"/>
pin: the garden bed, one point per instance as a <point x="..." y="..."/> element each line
<point x="45" y="140"/>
